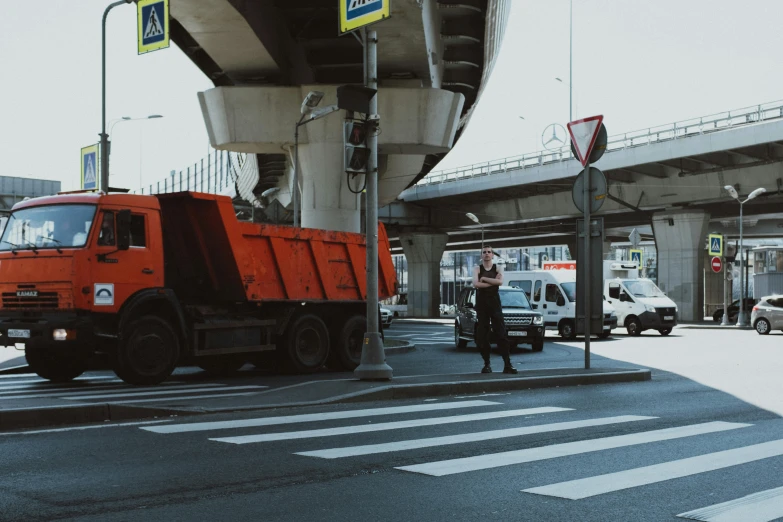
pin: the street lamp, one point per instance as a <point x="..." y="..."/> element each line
<point x="743" y="320"/>
<point x="473" y="218"/>
<point x="309" y="113"/>
<point x="128" y="118"/>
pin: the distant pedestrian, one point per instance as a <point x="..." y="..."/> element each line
<point x="486" y="279"/>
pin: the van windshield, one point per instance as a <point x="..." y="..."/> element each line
<point x="570" y="291"/>
<point x="513" y="298"/>
<point x="50" y="226"/>
<point x="643" y="288"/>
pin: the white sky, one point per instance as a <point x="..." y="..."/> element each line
<point x="640" y="63"/>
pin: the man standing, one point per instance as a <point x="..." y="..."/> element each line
<point x="486" y="280"/>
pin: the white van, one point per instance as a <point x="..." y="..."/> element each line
<point x="553" y="293"/>
<point x="641" y="305"/>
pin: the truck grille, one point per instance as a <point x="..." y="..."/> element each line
<point x="44" y="300"/>
<point x="517" y="319"/>
<point x="665" y="311"/>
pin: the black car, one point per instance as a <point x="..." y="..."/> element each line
<point x="523" y="325"/>
<point x="734" y="310"/>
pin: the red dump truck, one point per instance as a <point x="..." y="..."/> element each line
<point x="160" y="281"/>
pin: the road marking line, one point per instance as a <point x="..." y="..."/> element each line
<point x="591" y="486"/>
<point x="185" y="398"/>
<point x="78" y="428"/>
<point x="365" y="428"/>
<point x="88" y="388"/>
<point x="507" y="458"/>
<point x="77" y="395"/>
<point x="41" y="380"/>
<point x="72" y="397"/>
<point x="372" y="449"/>
<point x="758" y="507"/>
<point x="314" y="417"/>
<point x="480" y="395"/>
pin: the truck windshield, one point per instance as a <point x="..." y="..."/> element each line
<point x="643" y="288"/>
<point x="50" y="226"/>
<point x="513" y="298"/>
<point x="570" y="291"/>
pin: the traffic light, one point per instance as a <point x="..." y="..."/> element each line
<point x="731" y="253"/>
<point x="356" y="151"/>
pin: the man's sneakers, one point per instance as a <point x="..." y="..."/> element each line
<point x="509" y="369"/>
<point x="486" y="369"/>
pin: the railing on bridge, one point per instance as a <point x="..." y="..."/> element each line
<point x="672" y="131"/>
<point x="213" y="174"/>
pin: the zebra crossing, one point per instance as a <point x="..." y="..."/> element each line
<point x="636" y="431"/>
<point x="109" y="389"/>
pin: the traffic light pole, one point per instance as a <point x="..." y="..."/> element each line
<point x="373" y="363"/>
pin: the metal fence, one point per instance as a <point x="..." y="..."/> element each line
<point x="212" y="174"/>
<point x="672" y="131"/>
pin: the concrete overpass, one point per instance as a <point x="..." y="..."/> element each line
<point x="669" y="178"/>
<point x="435" y="56"/>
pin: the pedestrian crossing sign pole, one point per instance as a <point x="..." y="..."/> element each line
<point x="89" y="167"/>
<point x="153" y="25"/>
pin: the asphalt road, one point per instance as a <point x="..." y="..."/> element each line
<point x="453" y="458"/>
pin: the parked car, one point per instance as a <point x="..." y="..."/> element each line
<point x="386" y="317"/>
<point x="523" y="324"/>
<point x="767" y="315"/>
<point x="733" y="310"/>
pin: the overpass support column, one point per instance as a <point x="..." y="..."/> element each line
<point x="679" y="238"/>
<point x="423" y="253"/>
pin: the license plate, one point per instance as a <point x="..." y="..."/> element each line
<point x="19" y="334"/>
<point x="668" y="318"/>
<point x="517" y="334"/>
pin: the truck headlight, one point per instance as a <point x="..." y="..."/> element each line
<point x="539" y="319"/>
<point x="649" y="308"/>
<point x="613" y="314"/>
<point x="61" y="334"/>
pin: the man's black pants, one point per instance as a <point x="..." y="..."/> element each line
<point x="492" y="312"/>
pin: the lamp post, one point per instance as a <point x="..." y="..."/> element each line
<point x="473" y="218"/>
<point x="104" y="148"/>
<point x="124" y="119"/>
<point x="570" y="59"/>
<point x="742" y="319"/>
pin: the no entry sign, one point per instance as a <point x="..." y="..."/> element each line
<point x="717" y="265"/>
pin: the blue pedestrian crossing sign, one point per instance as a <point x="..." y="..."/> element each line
<point x="358" y="13"/>
<point x="636" y="257"/>
<point x="153" y="25"/>
<point x="716" y="245"/>
<point x="90" y="169"/>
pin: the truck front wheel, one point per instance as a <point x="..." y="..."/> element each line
<point x="148" y="351"/>
<point x="307" y="344"/>
<point x="48" y="362"/>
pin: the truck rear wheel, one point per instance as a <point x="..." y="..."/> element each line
<point x="49" y="363"/>
<point x="148" y="351"/>
<point x="348" y="350"/>
<point x="307" y="343"/>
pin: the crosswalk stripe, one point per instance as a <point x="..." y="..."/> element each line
<point x="591" y="486"/>
<point x="507" y="458"/>
<point x="365" y="428"/>
<point x="315" y="417"/>
<point x="183" y="398"/>
<point x="41" y="380"/>
<point x="84" y="389"/>
<point x="371" y="449"/>
<point x="758" y="507"/>
<point x="210" y="388"/>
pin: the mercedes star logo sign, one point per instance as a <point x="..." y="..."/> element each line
<point x="554" y="136"/>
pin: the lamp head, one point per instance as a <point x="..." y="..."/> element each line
<point x="756" y="193"/>
<point x="732" y="191"/>
<point x="473" y="217"/>
<point x="311" y="101"/>
<point x="153" y="116"/>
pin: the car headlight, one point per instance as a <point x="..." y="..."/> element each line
<point x="649" y="308"/>
<point x="539" y="319"/>
<point x="676" y="309"/>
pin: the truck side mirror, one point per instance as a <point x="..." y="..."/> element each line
<point x="614" y="291"/>
<point x="625" y="298"/>
<point x="123" y="229"/>
<point x="560" y="300"/>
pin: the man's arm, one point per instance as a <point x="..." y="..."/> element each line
<point x="498" y="281"/>
<point x="476" y="282"/>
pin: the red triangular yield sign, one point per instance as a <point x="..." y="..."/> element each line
<point x="583" y="134"/>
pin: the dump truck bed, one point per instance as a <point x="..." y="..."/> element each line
<point x="211" y="255"/>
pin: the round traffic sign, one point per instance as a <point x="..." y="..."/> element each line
<point x="716" y="264"/>
<point x="598" y="190"/>
<point x="599" y="147"/>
